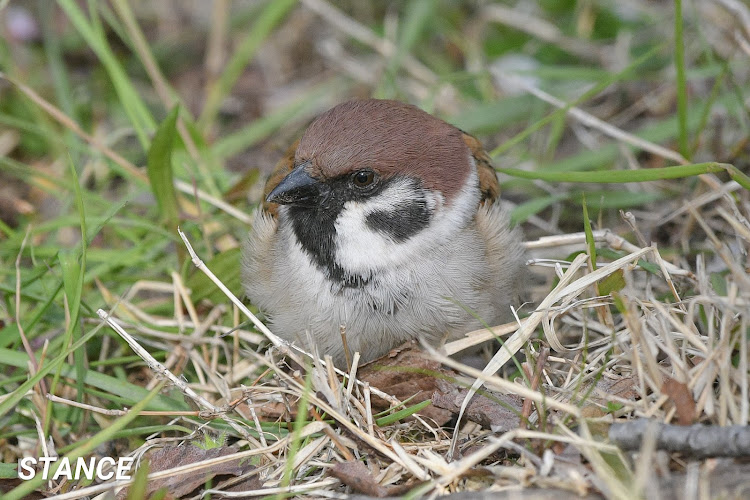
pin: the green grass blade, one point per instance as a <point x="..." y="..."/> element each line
<point x="416" y="17"/>
<point x="532" y="207"/>
<point x="590" y="243"/>
<point x="739" y="177"/>
<point x="224" y="265"/>
<point x="263" y="127"/>
<point x="13" y="398"/>
<point x="299" y="424"/>
<point x="492" y="116"/>
<point x="73" y="273"/>
<point x="402" y="414"/>
<point x="141" y="119"/>
<point x="623" y="176"/>
<point x="272" y="15"/>
<point x="682" y="97"/>
<point x="159" y="168"/>
<point x="53" y="51"/>
<point x="708" y="106"/>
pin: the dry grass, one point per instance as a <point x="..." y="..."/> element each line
<point x="634" y="342"/>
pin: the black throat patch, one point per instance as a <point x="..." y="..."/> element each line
<point x="315" y="227"/>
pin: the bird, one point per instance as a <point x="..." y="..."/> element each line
<point x="382" y="224"/>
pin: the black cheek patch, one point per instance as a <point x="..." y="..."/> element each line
<point x="315" y="231"/>
<point x="403" y="222"/>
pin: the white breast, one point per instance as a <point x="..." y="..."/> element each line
<point x="419" y="288"/>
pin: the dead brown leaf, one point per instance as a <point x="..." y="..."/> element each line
<point x="407" y="372"/>
<point x="682" y="399"/>
<point x="491" y="410"/>
<point x="181" y="485"/>
<point x="624" y="387"/>
<point x="358" y="477"/>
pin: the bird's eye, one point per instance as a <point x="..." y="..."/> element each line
<point x="363" y="178"/>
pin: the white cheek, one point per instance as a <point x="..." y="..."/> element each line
<point x="362" y="250"/>
<point x="359" y="249"/>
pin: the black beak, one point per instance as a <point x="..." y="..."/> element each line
<point x="297" y="188"/>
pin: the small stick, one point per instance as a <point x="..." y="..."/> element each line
<point x="629" y="219"/>
<point x="120" y="413"/>
<point x="352" y="377"/>
<point x="275" y="340"/>
<point x="368" y="408"/>
<point x="695" y="441"/>
<point x="347" y="354"/>
<point x="538" y="369"/>
<point x="615" y="241"/>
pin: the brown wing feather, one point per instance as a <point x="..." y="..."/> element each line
<point x="282" y="168"/>
<point x="488" y="183"/>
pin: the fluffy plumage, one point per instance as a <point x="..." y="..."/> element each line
<point x="389" y="226"/>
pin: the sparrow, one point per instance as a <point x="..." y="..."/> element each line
<point x="382" y="222"/>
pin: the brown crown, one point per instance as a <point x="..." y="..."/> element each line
<point x="389" y="137"/>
